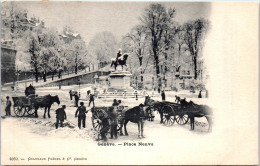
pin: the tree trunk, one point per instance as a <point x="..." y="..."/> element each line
<point x="36" y="74"/>
<point x="44" y="76"/>
<point x="195" y="66"/>
<point x="157" y="67"/>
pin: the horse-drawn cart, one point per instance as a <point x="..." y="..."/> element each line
<point x="174" y="112"/>
<point x="169" y="111"/>
<point x="24" y="104"/>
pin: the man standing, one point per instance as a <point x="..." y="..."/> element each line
<point x="163" y="96"/>
<point x="88" y="92"/>
<point x="91" y="99"/>
<point x="70" y="92"/>
<point x="114" y="122"/>
<point x="105" y="126"/>
<point x="141" y="120"/>
<point x="76" y="99"/>
<point x="8" y="106"/>
<point x="81" y="113"/>
<point x="60" y="116"/>
<point x="200" y="96"/>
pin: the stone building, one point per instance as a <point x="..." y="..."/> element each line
<point x="8" y="55"/>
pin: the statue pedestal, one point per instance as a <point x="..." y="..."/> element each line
<point x="119" y="87"/>
<point x="120" y="80"/>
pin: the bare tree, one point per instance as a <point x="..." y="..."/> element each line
<point x="194" y="33"/>
<point x="136" y="42"/>
<point x="157" y="19"/>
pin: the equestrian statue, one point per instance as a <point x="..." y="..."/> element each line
<point x="119" y="60"/>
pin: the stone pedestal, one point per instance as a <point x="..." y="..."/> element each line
<point x="120" y="80"/>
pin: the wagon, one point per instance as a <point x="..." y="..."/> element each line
<point x="169" y="111"/>
<point x="98" y="113"/>
<point x="24" y="104"/>
<point x="174" y="112"/>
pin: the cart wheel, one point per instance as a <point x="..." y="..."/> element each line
<point x="30" y="110"/>
<point x="168" y="115"/>
<point x="96" y="121"/>
<point x="19" y="110"/>
<point x="182" y="119"/>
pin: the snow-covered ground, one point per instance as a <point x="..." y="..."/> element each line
<point x="44" y="131"/>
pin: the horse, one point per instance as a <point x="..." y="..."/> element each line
<point x="119" y="61"/>
<point x="154" y="105"/>
<point x="195" y="110"/>
<point x="134" y="115"/>
<point x="46" y="102"/>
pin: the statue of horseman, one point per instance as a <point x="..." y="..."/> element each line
<point x="119" y="60"/>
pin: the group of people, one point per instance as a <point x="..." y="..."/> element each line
<point x="80" y="113"/>
<point x="77" y="97"/>
<point x="110" y="120"/>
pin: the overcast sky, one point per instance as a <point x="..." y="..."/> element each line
<point x="89" y="18"/>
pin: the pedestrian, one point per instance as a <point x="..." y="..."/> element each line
<point x="60" y="116"/>
<point x="200" y="96"/>
<point x="70" y="92"/>
<point x="105" y="126"/>
<point x="76" y="96"/>
<point x="141" y="120"/>
<point x="91" y="100"/>
<point x="81" y="113"/>
<point x="163" y="95"/>
<point x="8" y="106"/>
<point x="113" y="124"/>
<point x="136" y="95"/>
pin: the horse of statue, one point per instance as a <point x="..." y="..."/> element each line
<point x="46" y="102"/>
<point x="119" y="61"/>
<point x="134" y="115"/>
<point x="194" y="110"/>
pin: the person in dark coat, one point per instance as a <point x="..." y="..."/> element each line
<point x="88" y="92"/>
<point x="136" y="95"/>
<point x="105" y="127"/>
<point x="76" y="96"/>
<point x="70" y="92"/>
<point x="81" y="113"/>
<point x="60" y="116"/>
<point x="29" y="90"/>
<point x="8" y="106"/>
<point x="91" y="99"/>
<point x="163" y="96"/>
<point x="142" y="117"/>
<point x="200" y="96"/>
<point x="114" y="122"/>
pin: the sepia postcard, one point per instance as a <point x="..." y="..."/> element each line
<point x="129" y="83"/>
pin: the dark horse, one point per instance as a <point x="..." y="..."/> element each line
<point x="46" y="102"/>
<point x="194" y="110"/>
<point x="120" y="61"/>
<point x="134" y="115"/>
<point x="153" y="105"/>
